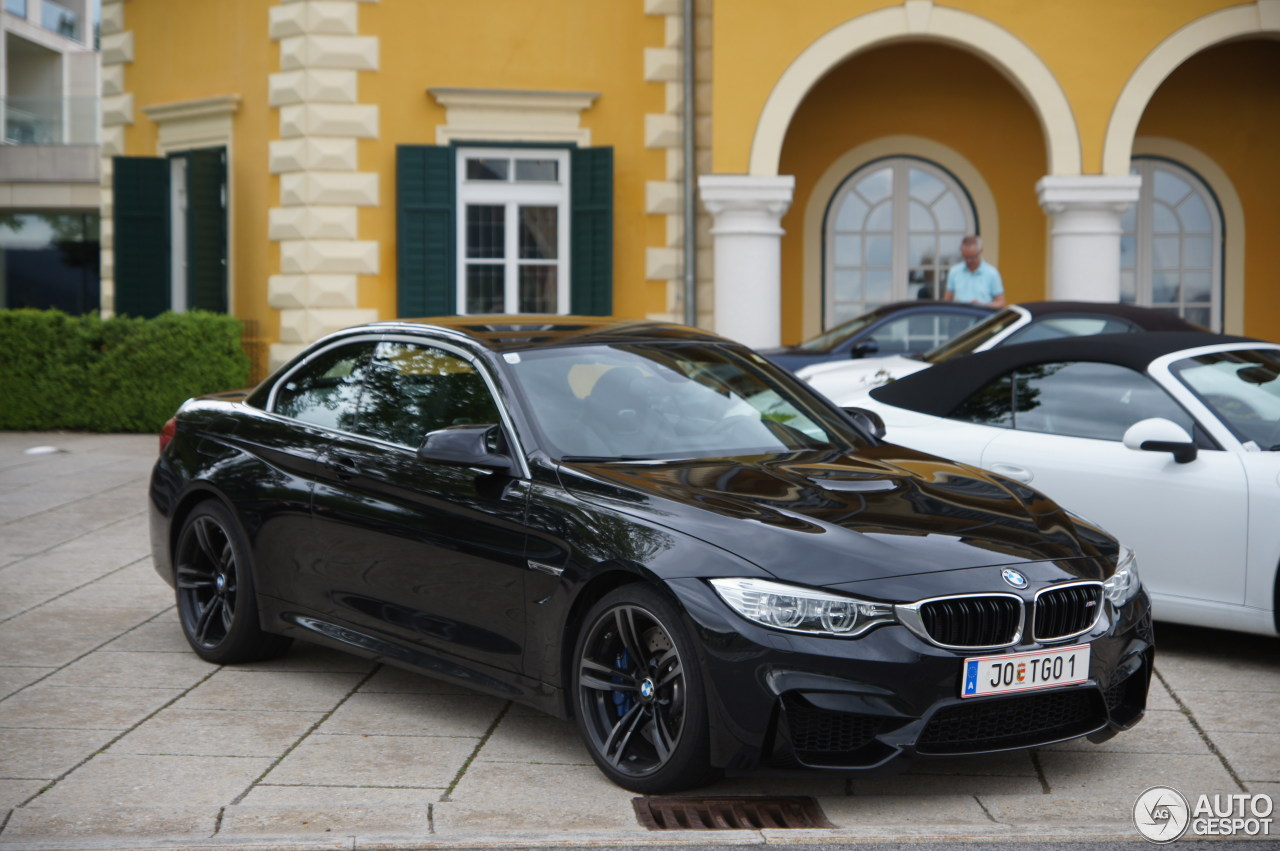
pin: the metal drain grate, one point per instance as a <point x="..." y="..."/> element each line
<point x="676" y="813"/>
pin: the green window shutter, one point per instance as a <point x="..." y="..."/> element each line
<point x="426" y="245"/>
<point x="207" y="230"/>
<point x="141" y="189"/>
<point x="591" y="231"/>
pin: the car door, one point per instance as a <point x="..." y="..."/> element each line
<point x="288" y="440"/>
<point x="430" y="555"/>
<point x="1061" y="432"/>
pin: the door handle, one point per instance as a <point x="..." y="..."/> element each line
<point x="1013" y="471"/>
<point x="344" y="468"/>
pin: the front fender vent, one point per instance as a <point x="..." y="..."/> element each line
<point x="749" y="813"/>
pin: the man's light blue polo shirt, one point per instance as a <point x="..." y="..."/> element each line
<point x="982" y="285"/>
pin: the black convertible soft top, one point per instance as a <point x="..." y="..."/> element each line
<point x="940" y="388"/>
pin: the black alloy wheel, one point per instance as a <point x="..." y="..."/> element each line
<point x="215" y="591"/>
<point x="640" y="701"/>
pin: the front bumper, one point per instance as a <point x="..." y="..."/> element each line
<point x="875" y="703"/>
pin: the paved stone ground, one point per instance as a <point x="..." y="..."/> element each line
<point x="114" y="735"/>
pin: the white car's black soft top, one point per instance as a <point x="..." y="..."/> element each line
<point x="937" y="391"/>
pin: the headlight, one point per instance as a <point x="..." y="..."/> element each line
<point x="796" y="609"/>
<point x="1124" y="583"/>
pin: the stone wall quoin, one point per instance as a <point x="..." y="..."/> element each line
<point x="316" y="158"/>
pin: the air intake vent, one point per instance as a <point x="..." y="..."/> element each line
<point x="990" y="621"/>
<point x="678" y="813"/>
<point x="1068" y="611"/>
<point x="1017" y="722"/>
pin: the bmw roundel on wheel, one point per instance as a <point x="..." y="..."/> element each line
<point x="653" y="531"/>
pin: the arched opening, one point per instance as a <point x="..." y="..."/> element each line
<point x="926" y="102"/>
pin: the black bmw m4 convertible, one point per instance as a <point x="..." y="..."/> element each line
<point x="653" y="531"/>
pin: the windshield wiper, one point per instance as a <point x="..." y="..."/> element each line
<point x="604" y="459"/>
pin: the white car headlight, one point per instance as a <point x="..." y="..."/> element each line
<point x="1124" y="583"/>
<point x="796" y="609"/>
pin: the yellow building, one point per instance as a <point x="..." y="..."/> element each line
<point x="311" y="164"/>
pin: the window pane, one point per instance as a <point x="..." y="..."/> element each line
<point x="1197" y="251"/>
<point x="992" y="405"/>
<point x="924" y="186"/>
<point x="484" y="288"/>
<point x="852" y="213"/>
<point x="922" y="250"/>
<point x="848" y="285"/>
<point x="879" y="285"/>
<point x="1094" y="400"/>
<point x="1198" y="315"/>
<point x="881" y="218"/>
<point x="1129" y="220"/>
<point x="876" y="186"/>
<point x="486" y="231"/>
<point x="543" y="171"/>
<point x="487" y="169"/>
<point x="848" y="250"/>
<point x="920" y="218"/>
<point x="950" y="214"/>
<point x="50" y="260"/>
<point x="538" y="289"/>
<point x="1164" y="252"/>
<point x="1194" y="213"/>
<point x="539" y="233"/>
<point x="325" y="391"/>
<point x="1128" y="286"/>
<point x="1197" y="287"/>
<point x="1128" y="252"/>
<point x="1165" y="286"/>
<point x="1164" y="221"/>
<point x="879" y="250"/>
<point x="411" y="390"/>
<point x="1168" y="187"/>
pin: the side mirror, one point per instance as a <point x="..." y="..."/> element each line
<point x="1160" y="435"/>
<point x="863" y="348"/>
<point x="868" y="421"/>
<point x="466" y="446"/>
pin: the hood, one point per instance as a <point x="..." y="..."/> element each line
<point x="831" y="518"/>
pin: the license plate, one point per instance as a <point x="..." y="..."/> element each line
<point x="1025" y="671"/>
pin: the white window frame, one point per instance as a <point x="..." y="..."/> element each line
<point x="901" y="287"/>
<point x="511" y="195"/>
<point x="1146" y="166"/>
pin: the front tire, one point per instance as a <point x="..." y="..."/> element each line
<point x="638" y="693"/>
<point x="214" y="587"/>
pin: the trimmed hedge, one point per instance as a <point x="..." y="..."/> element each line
<point x="86" y="373"/>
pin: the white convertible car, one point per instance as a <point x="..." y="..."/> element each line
<point x="844" y="380"/>
<point x="1168" y="440"/>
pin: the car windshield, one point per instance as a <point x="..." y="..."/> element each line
<point x="973" y="337"/>
<point x="828" y="340"/>
<point x="663" y="401"/>
<point x="1241" y="387"/>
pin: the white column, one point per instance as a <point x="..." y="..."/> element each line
<point x="747" y="235"/>
<point x="1085" y="233"/>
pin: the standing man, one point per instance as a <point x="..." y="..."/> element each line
<point x="974" y="281"/>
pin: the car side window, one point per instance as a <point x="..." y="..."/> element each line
<point x="326" y="390"/>
<point x="1054" y="327"/>
<point x="1074" y="399"/>
<point x="414" y="389"/>
<point x="919" y="332"/>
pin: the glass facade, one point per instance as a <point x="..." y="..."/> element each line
<point x="49" y="260"/>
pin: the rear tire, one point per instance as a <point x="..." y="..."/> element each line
<point x="215" y="594"/>
<point x="639" y="699"/>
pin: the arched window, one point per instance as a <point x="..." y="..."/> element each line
<point x="893" y="228"/>
<point x="1171" y="249"/>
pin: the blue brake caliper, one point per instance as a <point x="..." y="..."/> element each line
<point x="622" y="700"/>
